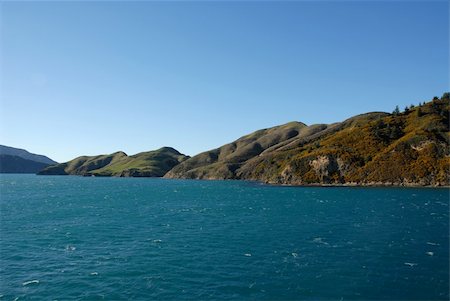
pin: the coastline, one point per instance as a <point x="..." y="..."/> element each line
<point x="275" y="184"/>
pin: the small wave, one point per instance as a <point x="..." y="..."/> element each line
<point x="433" y="243"/>
<point x="319" y="240"/>
<point x="30" y="282"/>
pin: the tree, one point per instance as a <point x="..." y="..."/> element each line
<point x="445" y="96"/>
<point x="386" y="132"/>
<point x="406" y="109"/>
<point x="396" y="111"/>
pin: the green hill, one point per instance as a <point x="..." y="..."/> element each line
<point x="408" y="148"/>
<point x="147" y="164"/>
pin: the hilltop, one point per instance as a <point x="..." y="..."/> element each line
<point x="402" y="148"/>
<point x="146" y="164"/>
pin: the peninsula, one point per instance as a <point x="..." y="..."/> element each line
<point x="403" y="148"/>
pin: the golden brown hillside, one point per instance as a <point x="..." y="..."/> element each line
<point x="403" y="148"/>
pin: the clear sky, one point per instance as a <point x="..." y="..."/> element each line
<point x="85" y="78"/>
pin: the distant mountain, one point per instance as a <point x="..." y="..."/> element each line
<point x="15" y="160"/>
<point x="147" y="164"/>
<point x="15" y="164"/>
<point x="408" y="148"/>
<point x="11" y="151"/>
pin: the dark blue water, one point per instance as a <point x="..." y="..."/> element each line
<point x="128" y="238"/>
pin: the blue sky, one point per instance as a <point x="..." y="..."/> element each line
<point x="96" y="77"/>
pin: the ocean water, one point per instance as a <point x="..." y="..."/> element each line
<point x="75" y="238"/>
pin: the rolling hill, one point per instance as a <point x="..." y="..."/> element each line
<point x="146" y="164"/>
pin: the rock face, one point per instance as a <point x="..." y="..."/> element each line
<point x="324" y="166"/>
<point x="409" y="148"/>
<point x="147" y="164"/>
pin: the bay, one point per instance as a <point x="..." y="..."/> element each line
<point x="79" y="238"/>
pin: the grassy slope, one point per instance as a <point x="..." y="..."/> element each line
<point x="149" y="164"/>
<point x="222" y="162"/>
<point x="373" y="148"/>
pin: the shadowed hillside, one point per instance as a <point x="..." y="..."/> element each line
<point x="12" y="151"/>
<point x="16" y="160"/>
<point x="403" y="148"/>
<point x="15" y="164"/>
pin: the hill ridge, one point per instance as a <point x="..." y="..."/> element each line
<point x="374" y="148"/>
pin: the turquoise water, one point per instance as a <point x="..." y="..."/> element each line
<point x="137" y="238"/>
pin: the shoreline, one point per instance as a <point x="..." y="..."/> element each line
<point x="323" y="185"/>
<point x="350" y="185"/>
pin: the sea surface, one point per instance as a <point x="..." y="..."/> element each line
<point x="78" y="238"/>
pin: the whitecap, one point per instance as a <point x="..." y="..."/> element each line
<point x="30" y="282"/>
<point x="430" y="253"/>
<point x="94" y="274"/>
<point x="433" y="243"/>
<point x="319" y="240"/>
<point x="157" y="240"/>
<point x="247" y="254"/>
<point x="295" y="255"/>
<point x="411" y="264"/>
